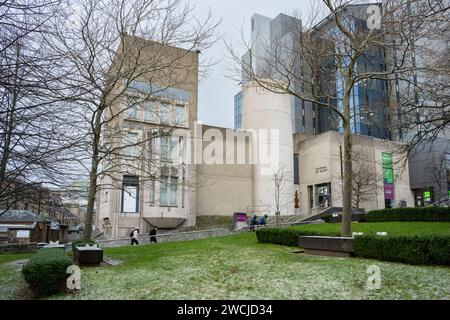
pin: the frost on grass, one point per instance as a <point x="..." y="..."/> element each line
<point x="238" y="268"/>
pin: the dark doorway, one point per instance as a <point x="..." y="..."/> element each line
<point x="310" y="197"/>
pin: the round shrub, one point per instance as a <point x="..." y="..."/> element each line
<point x="45" y="272"/>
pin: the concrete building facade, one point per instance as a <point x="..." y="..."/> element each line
<point x="218" y="171"/>
<point x="320" y="182"/>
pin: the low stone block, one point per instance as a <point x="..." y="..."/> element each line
<point x="327" y="246"/>
<point x="88" y="256"/>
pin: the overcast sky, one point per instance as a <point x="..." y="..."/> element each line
<point x="217" y="91"/>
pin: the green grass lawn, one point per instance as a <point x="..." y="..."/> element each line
<point x="237" y="267"/>
<point x="12" y="284"/>
<point x="392" y="228"/>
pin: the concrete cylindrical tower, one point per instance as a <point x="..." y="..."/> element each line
<point x="268" y="115"/>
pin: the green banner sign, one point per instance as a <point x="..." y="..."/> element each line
<point x="388" y="172"/>
<point x="388" y="176"/>
<point x="386" y="159"/>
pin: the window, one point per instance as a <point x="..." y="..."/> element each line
<point x="163" y="191"/>
<point x="152" y="192"/>
<point x="131" y="141"/>
<point x="296" y="169"/>
<point x="180" y="116"/>
<point x="152" y="151"/>
<point x="173" y="191"/>
<point x="151" y="112"/>
<point x="168" y="191"/>
<point x="165" y="151"/>
<point x="169" y="148"/>
<point x="165" y="113"/>
<point x="130" y="194"/>
<point x="174" y="149"/>
<point x="132" y="111"/>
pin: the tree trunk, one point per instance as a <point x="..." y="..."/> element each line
<point x="93" y="177"/>
<point x="347" y="147"/>
<point x="9" y="129"/>
<point x="91" y="202"/>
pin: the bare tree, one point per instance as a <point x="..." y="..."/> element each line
<point x="280" y="178"/>
<point x="422" y="91"/>
<point x="336" y="51"/>
<point x="21" y="18"/>
<point x="118" y="56"/>
<point x="364" y="179"/>
<point x="34" y="136"/>
<point x="437" y="173"/>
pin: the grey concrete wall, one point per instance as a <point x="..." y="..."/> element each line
<point x="424" y="163"/>
<point x="168" y="237"/>
<point x="18" y="247"/>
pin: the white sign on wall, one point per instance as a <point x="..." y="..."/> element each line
<point x="23" y="233"/>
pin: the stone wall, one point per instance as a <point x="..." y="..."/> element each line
<point x="18" y="247"/>
<point x="167" y="237"/>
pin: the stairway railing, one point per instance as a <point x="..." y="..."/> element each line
<point x="285" y="220"/>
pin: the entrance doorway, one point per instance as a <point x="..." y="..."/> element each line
<point x="324" y="195"/>
<point x="310" y="197"/>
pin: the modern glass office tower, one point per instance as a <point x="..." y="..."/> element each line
<point x="429" y="160"/>
<point x="369" y="101"/>
<point x="238" y="110"/>
<point x="265" y="32"/>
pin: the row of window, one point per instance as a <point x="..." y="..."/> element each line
<point x="170" y="147"/>
<point x="168" y="190"/>
<point x="156" y="112"/>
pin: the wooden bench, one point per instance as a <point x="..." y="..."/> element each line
<point x="327" y="246"/>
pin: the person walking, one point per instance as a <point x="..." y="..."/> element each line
<point x="134" y="236"/>
<point x="152" y="234"/>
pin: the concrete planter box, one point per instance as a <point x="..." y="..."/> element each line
<point x="59" y="246"/>
<point x="327" y="246"/>
<point x="88" y="256"/>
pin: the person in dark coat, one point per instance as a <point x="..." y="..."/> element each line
<point x="263" y="220"/>
<point x="152" y="234"/>
<point x="135" y="236"/>
<point x="253" y="223"/>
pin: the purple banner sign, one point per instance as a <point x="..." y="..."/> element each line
<point x="389" y="192"/>
<point x="240" y="217"/>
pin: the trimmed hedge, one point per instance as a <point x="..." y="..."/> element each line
<point x="328" y="218"/>
<point x="422" y="250"/>
<point x="285" y="236"/>
<point x="436" y="214"/>
<point x="81" y="243"/>
<point x="45" y="272"/>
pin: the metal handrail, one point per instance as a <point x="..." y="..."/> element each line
<point x="293" y="218"/>
<point x="445" y="201"/>
<point x="305" y="213"/>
